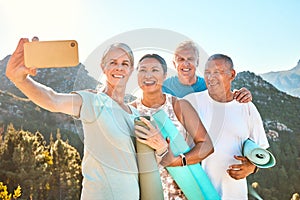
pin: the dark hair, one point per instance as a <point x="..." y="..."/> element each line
<point x="158" y="58"/>
<point x="227" y="59"/>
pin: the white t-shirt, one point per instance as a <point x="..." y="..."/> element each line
<point x="109" y="165"/>
<point x="229" y="125"/>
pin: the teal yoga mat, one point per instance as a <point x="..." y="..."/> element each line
<point x="149" y="177"/>
<point x="260" y="157"/>
<point x="191" y="179"/>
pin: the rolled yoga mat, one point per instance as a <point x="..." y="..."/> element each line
<point x="191" y="179"/>
<point x="260" y="157"/>
<point x="149" y="177"/>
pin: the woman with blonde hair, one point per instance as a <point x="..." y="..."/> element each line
<point x="109" y="165"/>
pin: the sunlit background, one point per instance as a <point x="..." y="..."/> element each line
<point x="260" y="36"/>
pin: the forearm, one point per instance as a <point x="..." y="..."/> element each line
<point x="199" y="152"/>
<point x="40" y="94"/>
<point x="203" y="148"/>
<point x="240" y="171"/>
<point x="192" y="157"/>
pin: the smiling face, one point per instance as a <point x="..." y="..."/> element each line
<point x="150" y="75"/>
<point x="218" y="76"/>
<point x="185" y="62"/>
<point x="117" y="67"/>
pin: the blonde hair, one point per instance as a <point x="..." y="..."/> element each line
<point x="121" y="46"/>
<point x="188" y="45"/>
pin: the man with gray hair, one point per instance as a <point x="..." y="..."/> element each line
<point x="228" y="123"/>
<point x="186" y="61"/>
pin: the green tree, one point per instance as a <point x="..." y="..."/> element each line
<point x="43" y="171"/>
<point x="20" y="162"/>
<point x="66" y="170"/>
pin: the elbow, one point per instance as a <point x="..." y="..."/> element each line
<point x="53" y="103"/>
<point x="211" y="151"/>
<point x="206" y="149"/>
<point x="210" y="146"/>
<point x="208" y="152"/>
<point x="52" y="109"/>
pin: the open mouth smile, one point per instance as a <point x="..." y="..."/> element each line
<point x="118" y="76"/>
<point x="185" y="69"/>
<point x="148" y="83"/>
<point x="212" y="83"/>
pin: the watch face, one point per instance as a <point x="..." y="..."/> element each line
<point x="183" y="159"/>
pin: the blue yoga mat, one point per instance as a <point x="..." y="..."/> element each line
<point x="260" y="157"/>
<point x="191" y="179"/>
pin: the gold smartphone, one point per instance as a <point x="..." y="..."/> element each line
<point x="50" y="54"/>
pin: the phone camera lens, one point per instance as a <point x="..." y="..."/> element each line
<point x="72" y="44"/>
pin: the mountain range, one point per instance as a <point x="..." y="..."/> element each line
<point x="287" y="81"/>
<point x="17" y="109"/>
<point x="280" y="113"/>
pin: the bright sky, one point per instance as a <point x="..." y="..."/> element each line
<point x="259" y="35"/>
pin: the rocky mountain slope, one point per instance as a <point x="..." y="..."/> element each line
<point x="17" y="109"/>
<point x="280" y="113"/>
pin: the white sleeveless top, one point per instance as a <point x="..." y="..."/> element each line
<point x="171" y="189"/>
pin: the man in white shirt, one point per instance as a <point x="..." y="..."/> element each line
<point x="229" y="123"/>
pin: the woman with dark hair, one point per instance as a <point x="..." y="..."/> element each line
<point x="152" y="71"/>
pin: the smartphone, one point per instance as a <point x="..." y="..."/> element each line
<point x="50" y="54"/>
<point x="137" y="121"/>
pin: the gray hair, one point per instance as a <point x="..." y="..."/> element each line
<point x="226" y="58"/>
<point x="121" y="46"/>
<point x="188" y="45"/>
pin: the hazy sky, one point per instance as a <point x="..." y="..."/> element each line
<point x="259" y="35"/>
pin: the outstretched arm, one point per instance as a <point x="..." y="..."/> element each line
<point x="41" y="95"/>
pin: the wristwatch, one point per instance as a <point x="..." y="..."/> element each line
<point x="255" y="170"/>
<point x="183" y="159"/>
<point x="162" y="154"/>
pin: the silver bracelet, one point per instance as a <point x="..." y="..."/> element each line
<point x="163" y="154"/>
